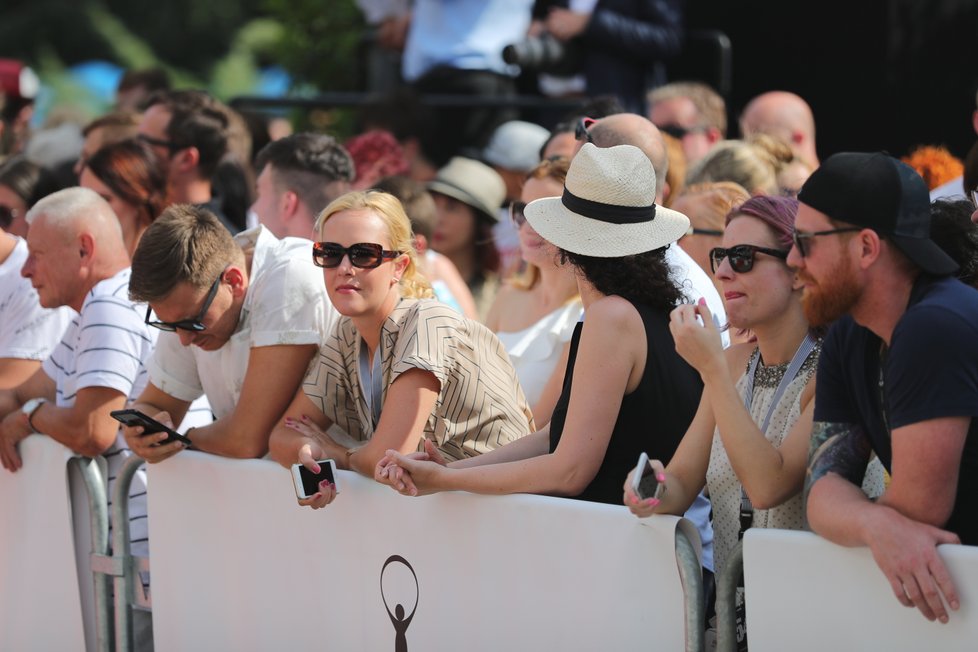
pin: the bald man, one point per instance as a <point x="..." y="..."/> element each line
<point x="785" y="116"/>
<point x="76" y="257"/>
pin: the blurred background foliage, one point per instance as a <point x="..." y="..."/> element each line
<point x="230" y="47"/>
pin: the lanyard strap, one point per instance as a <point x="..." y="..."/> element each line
<point x="804" y="350"/>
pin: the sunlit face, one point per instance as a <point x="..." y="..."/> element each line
<point x="533" y="248"/>
<point x="356" y="291"/>
<point x="12" y="201"/>
<point x="698" y="245"/>
<point x="760" y="295"/>
<point x="268" y="202"/>
<point x="680" y="112"/>
<point x="455" y="228"/>
<point x="132" y="219"/>
<point x="53" y="265"/>
<point x="185" y="302"/>
<point x="826" y="273"/>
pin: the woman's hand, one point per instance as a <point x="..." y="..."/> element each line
<point x="410" y="475"/>
<point x="388" y="472"/>
<point x="639" y="507"/>
<point x="309" y="452"/>
<point x="326" y="447"/>
<point x="697" y="338"/>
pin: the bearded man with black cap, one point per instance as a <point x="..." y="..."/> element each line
<point x="898" y="374"/>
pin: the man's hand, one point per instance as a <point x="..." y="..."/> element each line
<point x="147" y="445"/>
<point x="566" y="24"/>
<point x="13" y="429"/>
<point x="906" y="552"/>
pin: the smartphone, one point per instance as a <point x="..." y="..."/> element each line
<point x="307" y="483"/>
<point x="644" y="483"/>
<point x="149" y="424"/>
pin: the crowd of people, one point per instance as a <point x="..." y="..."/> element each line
<point x="514" y="309"/>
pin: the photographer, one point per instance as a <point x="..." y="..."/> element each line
<point x="620" y="46"/>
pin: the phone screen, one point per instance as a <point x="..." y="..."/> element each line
<point x="647" y="484"/>
<point x="310" y="480"/>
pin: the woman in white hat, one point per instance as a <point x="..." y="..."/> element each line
<point x="626" y="390"/>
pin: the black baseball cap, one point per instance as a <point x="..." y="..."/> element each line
<point x="876" y="191"/>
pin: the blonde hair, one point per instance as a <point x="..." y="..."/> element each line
<point x="387" y="207"/>
<point x="719" y="198"/>
<point x="754" y="166"/>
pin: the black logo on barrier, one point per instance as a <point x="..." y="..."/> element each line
<point x="397" y="617"/>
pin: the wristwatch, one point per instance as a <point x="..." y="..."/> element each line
<point x="29" y="408"/>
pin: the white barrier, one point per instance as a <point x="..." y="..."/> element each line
<point x="40" y="603"/>
<point x="804" y="593"/>
<point x="238" y="565"/>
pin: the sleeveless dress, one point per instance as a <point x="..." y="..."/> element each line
<point x="723" y="484"/>
<point x="653" y="418"/>
<point x="535" y="351"/>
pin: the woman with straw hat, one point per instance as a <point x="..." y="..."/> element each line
<point x="626" y="390"/>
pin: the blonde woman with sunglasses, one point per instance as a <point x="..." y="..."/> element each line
<point x="399" y="366"/>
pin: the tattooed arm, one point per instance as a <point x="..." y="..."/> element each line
<point x="904" y="549"/>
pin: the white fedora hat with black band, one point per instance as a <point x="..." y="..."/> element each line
<point x="608" y="207"/>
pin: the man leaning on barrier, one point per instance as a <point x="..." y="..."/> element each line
<point x="77" y="258"/>
<point x="898" y="374"/>
<point x="243" y="318"/>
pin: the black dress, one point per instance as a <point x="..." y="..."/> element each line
<point x="653" y="418"/>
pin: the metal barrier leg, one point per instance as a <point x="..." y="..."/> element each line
<point x="98" y="508"/>
<point x="727" y="583"/>
<point x="125" y="581"/>
<point x="691" y="576"/>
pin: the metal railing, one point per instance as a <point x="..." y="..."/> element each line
<point x="691" y="577"/>
<point x="727" y="582"/>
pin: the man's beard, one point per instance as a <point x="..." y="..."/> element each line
<point x="825" y="302"/>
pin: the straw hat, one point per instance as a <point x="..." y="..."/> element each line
<point x="472" y="183"/>
<point x="608" y="207"/>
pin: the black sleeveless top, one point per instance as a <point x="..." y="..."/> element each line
<point x="653" y="418"/>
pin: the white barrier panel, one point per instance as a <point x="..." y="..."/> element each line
<point x="804" y="593"/>
<point x="40" y="606"/>
<point x="236" y="564"/>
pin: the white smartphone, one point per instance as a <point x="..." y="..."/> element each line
<point x="644" y="483"/>
<point x="307" y="483"/>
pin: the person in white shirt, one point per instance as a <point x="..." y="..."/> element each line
<point x="244" y="317"/>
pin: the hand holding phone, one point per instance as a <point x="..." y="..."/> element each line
<point x="307" y="482"/>
<point x="150" y="425"/>
<point x="644" y="481"/>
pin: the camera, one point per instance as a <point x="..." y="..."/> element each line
<point x="545" y="53"/>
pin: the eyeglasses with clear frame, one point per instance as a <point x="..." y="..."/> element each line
<point x="365" y="255"/>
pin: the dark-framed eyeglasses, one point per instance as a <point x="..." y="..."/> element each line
<point x="516" y="214"/>
<point x="159" y="142"/>
<point x="692" y="231"/>
<point x="365" y="255"/>
<point x="679" y="132"/>
<point x="7" y="216"/>
<point x="741" y="256"/>
<point x="801" y="238"/>
<point x="194" y="325"/>
<point x="581" y="129"/>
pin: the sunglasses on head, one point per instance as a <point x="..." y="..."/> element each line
<point x="678" y="132"/>
<point x="581" y="130"/>
<point x="365" y="255"/>
<point x="194" y="325"/>
<point x="741" y="257"/>
<point x="516" y="214"/>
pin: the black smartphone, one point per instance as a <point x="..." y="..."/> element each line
<point x="149" y="424"/>
<point x="307" y="483"/>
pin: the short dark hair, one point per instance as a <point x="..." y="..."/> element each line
<point x="416" y="200"/>
<point x="196" y="120"/>
<point x="643" y="278"/>
<point x="954" y="232"/>
<point x="186" y="244"/>
<point x="152" y="79"/>
<point x="308" y="163"/>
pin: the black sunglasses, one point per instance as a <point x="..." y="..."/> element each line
<point x="365" y="255"/>
<point x="516" y="213"/>
<point x="581" y="130"/>
<point x="800" y="238"/>
<point x="159" y="142"/>
<point x="194" y="325"/>
<point x="741" y="257"/>
<point x="678" y="132"/>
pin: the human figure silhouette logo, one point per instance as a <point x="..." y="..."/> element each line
<point x="398" y="620"/>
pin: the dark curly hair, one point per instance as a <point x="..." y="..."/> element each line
<point x="954" y="232"/>
<point x="643" y="278"/>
